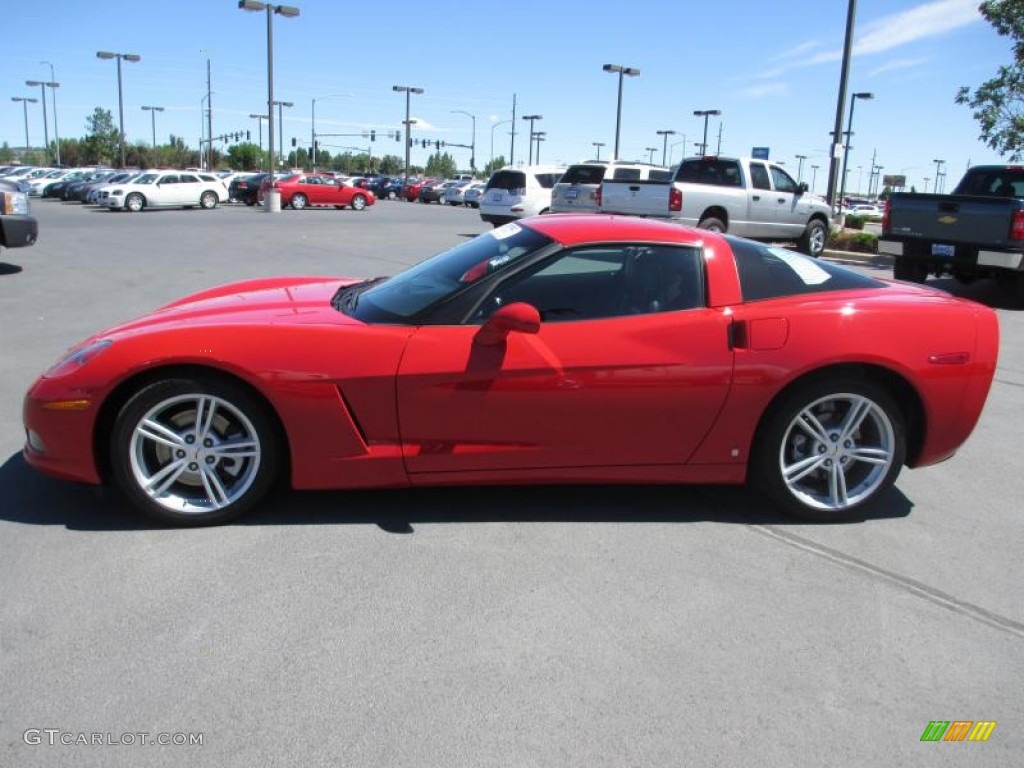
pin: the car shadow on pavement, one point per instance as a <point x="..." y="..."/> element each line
<point x="31" y="498"/>
<point x="10" y="269"/>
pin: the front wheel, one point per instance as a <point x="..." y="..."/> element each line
<point x="712" y="224"/>
<point x="194" y="451"/>
<point x="814" y="238"/>
<point x="358" y="203"/>
<point x="208" y="200"/>
<point x="135" y="202"/>
<point x="830" y="448"/>
<point x="299" y="202"/>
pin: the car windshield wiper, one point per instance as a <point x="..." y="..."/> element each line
<point x="346" y="299"/>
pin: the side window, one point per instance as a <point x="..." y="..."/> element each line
<point x="759" y="176"/>
<point x="172" y="179"/>
<point x="187" y="179"/>
<point x="626" y="174"/>
<point x="783" y="181"/>
<point x="605" y="281"/>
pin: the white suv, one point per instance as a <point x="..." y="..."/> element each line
<point x="579" y="190"/>
<point x="513" y="193"/>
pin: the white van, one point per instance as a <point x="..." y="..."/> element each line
<point x="513" y="193"/>
<point x="579" y="190"/>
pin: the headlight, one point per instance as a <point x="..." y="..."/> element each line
<point x="76" y="359"/>
<point x="117" y="192"/>
<point x="14" y="203"/>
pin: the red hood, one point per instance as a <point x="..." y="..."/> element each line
<point x="264" y="301"/>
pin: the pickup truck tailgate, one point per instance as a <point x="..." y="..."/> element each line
<point x="636" y="198"/>
<point x="953" y="218"/>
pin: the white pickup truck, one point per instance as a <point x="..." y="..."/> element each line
<point x="742" y="196"/>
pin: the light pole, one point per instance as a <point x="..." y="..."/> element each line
<point x="500" y="122"/>
<point x="672" y="148"/>
<point x="152" y="114"/>
<point x="597" y="144"/>
<point x="938" y="174"/>
<point x="259" y="122"/>
<point x="312" y="130"/>
<point x="205" y="161"/>
<point x="622" y="71"/>
<point x="705" y="113"/>
<point x="25" y="101"/>
<point x="472" y="151"/>
<point x="46" y="121"/>
<point x="849" y="134"/>
<point x="408" y="90"/>
<point x="664" y="143"/>
<point x="539" y="137"/>
<point x="814" y="176"/>
<point x="280" y="129"/>
<point x="532" y="119"/>
<point x="53" y="86"/>
<point x="800" y="168"/>
<point x="120" y="91"/>
<point x="273" y="200"/>
<point x="650" y="154"/>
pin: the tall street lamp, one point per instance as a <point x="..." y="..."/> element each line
<point x="814" y="176"/>
<point x="120" y="91"/>
<point x="259" y="122"/>
<point x="472" y="151"/>
<point x="800" y="168"/>
<point x="25" y="101"/>
<point x="650" y="154"/>
<point x="205" y="160"/>
<point x="532" y="119"/>
<point x="849" y="135"/>
<point x="664" y="143"/>
<point x="938" y="174"/>
<point x="705" y="113"/>
<point x="312" y="130"/>
<point x="280" y="129"/>
<point x="46" y="122"/>
<point x="273" y="199"/>
<point x="672" y="148"/>
<point x="597" y="144"/>
<point x="622" y="71"/>
<point x="152" y="114"/>
<point x="539" y="137"/>
<point x="500" y="122"/>
<point x="408" y="90"/>
<point x="53" y="86"/>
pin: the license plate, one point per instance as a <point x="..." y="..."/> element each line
<point x="496" y="197"/>
<point x="946" y="251"/>
<point x="572" y="194"/>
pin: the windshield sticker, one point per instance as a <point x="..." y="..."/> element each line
<point x="506" y="230"/>
<point x="805" y="269"/>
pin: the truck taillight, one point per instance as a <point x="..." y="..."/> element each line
<point x="1017" y="227"/>
<point x="675" y="200"/>
<point x="885" y="216"/>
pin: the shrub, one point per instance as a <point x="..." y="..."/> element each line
<point x="858" y="242"/>
<point x="854" y="222"/>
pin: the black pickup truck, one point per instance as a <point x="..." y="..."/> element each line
<point x="17" y="228"/>
<point x="978" y="231"/>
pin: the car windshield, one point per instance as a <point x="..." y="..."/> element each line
<point x="440" y="277"/>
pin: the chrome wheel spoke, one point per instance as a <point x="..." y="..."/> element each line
<point x="150" y="429"/>
<point x="812" y="426"/>
<point x="218" y="495"/>
<point x="164" y="479"/>
<point x="241" y="449"/>
<point x="859" y="410"/>
<point x="837" y="486"/>
<point x="206" y="408"/>
<point x="870" y="455"/>
<point x="795" y="472"/>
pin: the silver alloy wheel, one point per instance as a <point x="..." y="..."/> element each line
<point x="358" y="203"/>
<point x="837" y="452"/>
<point x="135" y="202"/>
<point x="816" y="239"/>
<point x="208" y="200"/>
<point x="298" y="202"/>
<point x="194" y="453"/>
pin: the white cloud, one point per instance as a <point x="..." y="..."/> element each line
<point x="764" y="91"/>
<point x="422" y="125"/>
<point x="896" y="64"/>
<point x="797" y="51"/>
<point x="928" y="20"/>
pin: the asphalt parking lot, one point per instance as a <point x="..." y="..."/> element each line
<point x="586" y="626"/>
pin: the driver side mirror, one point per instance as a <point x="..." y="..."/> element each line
<point x="519" y="317"/>
<point x="802" y="187"/>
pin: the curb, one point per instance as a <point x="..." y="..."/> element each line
<point x="854" y="257"/>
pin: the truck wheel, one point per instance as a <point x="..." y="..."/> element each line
<point x="909" y="270"/>
<point x="711" y="224"/>
<point x="813" y="240"/>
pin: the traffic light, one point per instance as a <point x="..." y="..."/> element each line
<point x="293" y="141"/>
<point x="310" y="152"/>
<point x="397" y="136"/>
<point x="373" y="135"/>
<point x="424" y="143"/>
<point x="248" y="135"/>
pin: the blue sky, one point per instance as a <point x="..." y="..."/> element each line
<point x="771" y="68"/>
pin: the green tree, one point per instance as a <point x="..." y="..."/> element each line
<point x="244" y="156"/>
<point x="101" y="141"/>
<point x="390" y="165"/>
<point x="495" y="164"/>
<point x="441" y="166"/>
<point x="6" y="153"/>
<point x="998" y="103"/>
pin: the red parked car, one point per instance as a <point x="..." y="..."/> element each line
<point x="556" y="349"/>
<point x="300" y="190"/>
<point x="411" y="191"/>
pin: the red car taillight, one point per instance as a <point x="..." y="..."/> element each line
<point x="1017" y="227"/>
<point x="885" y="216"/>
<point x="675" y="200"/>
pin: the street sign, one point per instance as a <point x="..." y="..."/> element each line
<point x="894" y="181"/>
<point x="759" y="153"/>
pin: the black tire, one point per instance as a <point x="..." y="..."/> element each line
<point x="299" y="201"/>
<point x="208" y="200"/>
<point x="814" y="238"/>
<point x="134" y="202"/>
<point x="250" y="203"/>
<point x="712" y="224"/>
<point x="238" y="416"/>
<point x="358" y="202"/>
<point x="879" y="441"/>
<point x="911" y="270"/>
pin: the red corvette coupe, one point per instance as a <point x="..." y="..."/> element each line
<point x="300" y="190"/>
<point x="558" y="349"/>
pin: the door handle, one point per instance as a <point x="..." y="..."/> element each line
<point x="757" y="197"/>
<point x="634" y="189"/>
<point x="782" y="199"/>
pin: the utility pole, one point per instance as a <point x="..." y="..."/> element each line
<point x="512" y="148"/>
<point x="871" y="176"/>
<point x="209" y="117"/>
<point x="718" y="151"/>
<point x="837" y="133"/>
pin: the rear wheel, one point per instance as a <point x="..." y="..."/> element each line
<point x="358" y="203"/>
<point x="814" y="238"/>
<point x="911" y="270"/>
<point x="194" y="451"/>
<point x="135" y="202"/>
<point x="830" y="448"/>
<point x="299" y="201"/>
<point x="208" y="200"/>
<point x="712" y="224"/>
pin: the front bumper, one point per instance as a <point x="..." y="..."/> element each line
<point x="59" y="442"/>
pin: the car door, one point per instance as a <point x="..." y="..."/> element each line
<point x="791" y="213"/>
<point x="165" y="191"/>
<point x="189" y="189"/>
<point x="624" y="371"/>
<point x="764" y="202"/>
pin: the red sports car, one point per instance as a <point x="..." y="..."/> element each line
<point x="557" y="349"/>
<point x="300" y="190"/>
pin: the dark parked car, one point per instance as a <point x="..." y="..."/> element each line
<point x="70" y="191"/>
<point x="246" y="189"/>
<point x="81" y="191"/>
